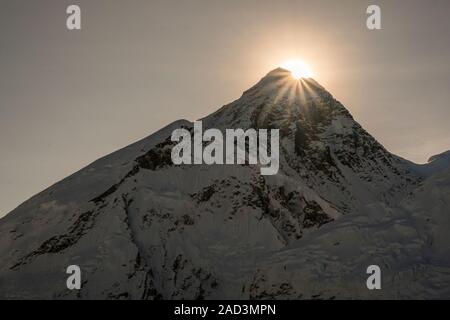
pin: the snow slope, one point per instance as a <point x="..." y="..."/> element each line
<point x="141" y="228"/>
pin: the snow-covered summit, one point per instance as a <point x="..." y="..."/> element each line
<point x="444" y="156"/>
<point x="437" y="164"/>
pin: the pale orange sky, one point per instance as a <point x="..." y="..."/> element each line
<point x="70" y="97"/>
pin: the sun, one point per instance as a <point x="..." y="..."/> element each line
<point x="298" y="68"/>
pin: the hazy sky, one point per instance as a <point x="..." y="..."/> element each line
<point x="70" y="97"/>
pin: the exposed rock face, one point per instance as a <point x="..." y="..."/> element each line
<point x="141" y="228"/>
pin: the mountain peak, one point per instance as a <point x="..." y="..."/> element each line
<point x="277" y="72"/>
<point x="444" y="156"/>
<point x="278" y="96"/>
<point x="279" y="83"/>
<point x="281" y="73"/>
